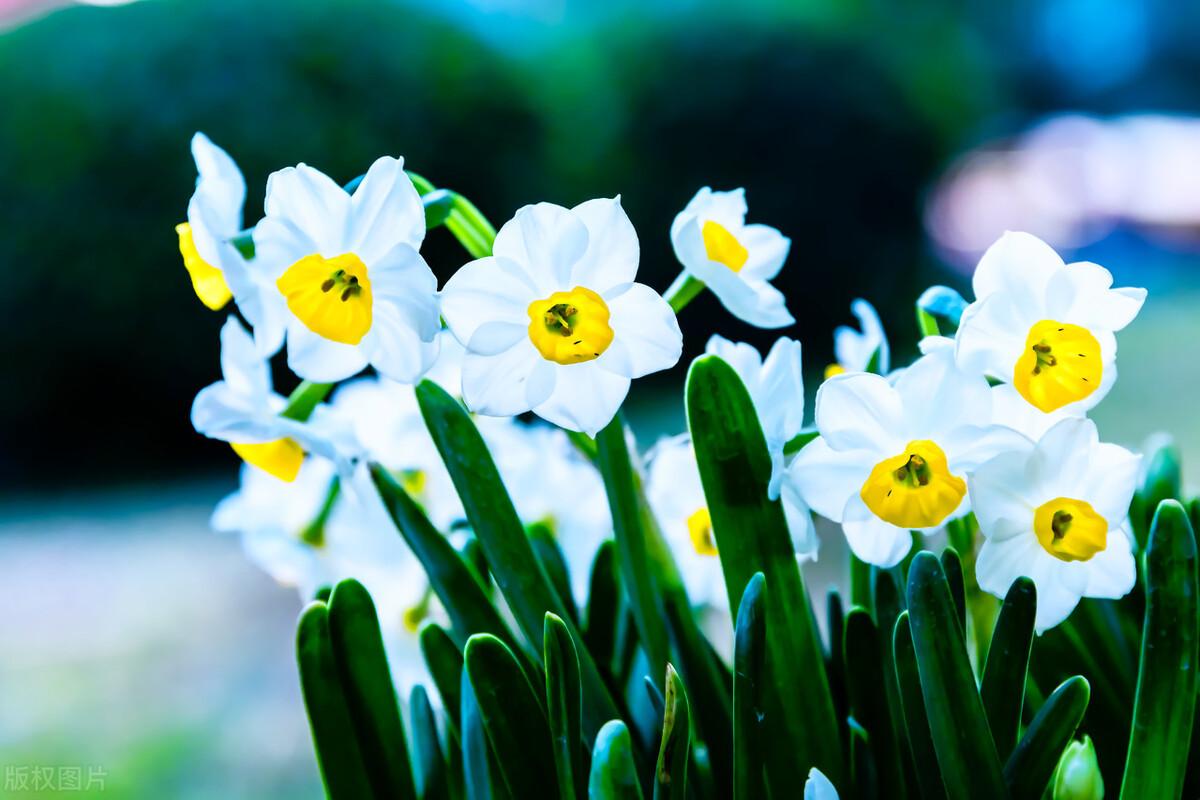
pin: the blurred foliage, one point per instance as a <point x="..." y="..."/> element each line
<point x="832" y="136"/>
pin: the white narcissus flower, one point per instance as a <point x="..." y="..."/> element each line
<point x="553" y="321"/>
<point x="1045" y="326"/>
<point x="1056" y="512"/>
<point x="893" y="456"/>
<point x="244" y="410"/>
<point x="855" y="349"/>
<point x="735" y="260"/>
<point x="349" y="281"/>
<point x="214" y="216"/>
<point x="776" y="385"/>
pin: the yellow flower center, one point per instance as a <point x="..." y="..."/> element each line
<point x="833" y="369"/>
<point x="701" y="532"/>
<point x="1061" y="364"/>
<point x="1070" y="530"/>
<point x="723" y="247"/>
<point x="331" y="296"/>
<point x="281" y="458"/>
<point x="207" y="281"/>
<point x="570" y="327"/>
<point x="914" y="489"/>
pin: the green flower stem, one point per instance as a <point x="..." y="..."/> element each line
<point x="683" y="291"/>
<point x="472" y="229"/>
<point x="304" y="399"/>
<point x="926" y="324"/>
<point x="860" y="582"/>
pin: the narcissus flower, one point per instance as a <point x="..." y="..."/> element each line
<point x="244" y="410"/>
<point x="347" y="270"/>
<point x="1056" y="512"/>
<point x="214" y="216"/>
<point x="818" y="787"/>
<point x="863" y="350"/>
<point x="553" y="321"/>
<point x="1045" y="326"/>
<point x="735" y="260"/>
<point x="893" y="456"/>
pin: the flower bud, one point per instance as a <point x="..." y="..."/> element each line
<point x="1078" y="773"/>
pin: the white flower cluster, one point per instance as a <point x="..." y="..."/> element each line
<point x="553" y="322"/>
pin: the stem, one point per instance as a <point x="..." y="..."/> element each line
<point x="683" y="291"/>
<point x="860" y="583"/>
<point x="927" y="324"/>
<point x="304" y="398"/>
<point x="472" y="229"/>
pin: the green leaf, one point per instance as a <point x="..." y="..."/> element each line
<point x="862" y="763"/>
<point x="334" y="737"/>
<point x="835" y="623"/>
<point x="749" y="677"/>
<point x="304" y="399"/>
<point x="427" y="750"/>
<point x="796" y="443"/>
<point x="445" y="663"/>
<point x="603" y="607"/>
<point x="952" y="567"/>
<point x="1164" y="710"/>
<point x="613" y="776"/>
<point x="860" y="582"/>
<point x="1163" y="480"/>
<point x="752" y="536"/>
<point x="670" y="775"/>
<point x="959" y="728"/>
<point x="867" y="685"/>
<point x="564" y="706"/>
<point x="510" y="556"/>
<point x="512" y="717"/>
<point x="1007" y="666"/>
<point x="620" y="483"/>
<point x="454" y="582"/>
<point x="357" y="646"/>
<point x="1032" y="763"/>
<point x="920" y="741"/>
<point x="550" y="556"/>
<point x="481" y="776"/>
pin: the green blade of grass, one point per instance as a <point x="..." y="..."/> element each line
<point x="867" y="685"/>
<point x="564" y="704"/>
<point x="916" y="723"/>
<point x="613" y="776"/>
<point x="670" y="774"/>
<point x="427" y="750"/>
<point x="749" y="676"/>
<point x="444" y="661"/>
<point x="1006" y="669"/>
<point x="1032" y="763"/>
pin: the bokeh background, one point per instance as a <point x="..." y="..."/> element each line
<point x="891" y="141"/>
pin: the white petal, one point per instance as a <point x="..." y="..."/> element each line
<point x="487" y="290"/>
<point x="315" y="358"/>
<point x="1112" y="479"/>
<point x="220" y="186"/>
<point x="585" y="398"/>
<point x="401" y="343"/>
<point x="384" y="211"/>
<point x="854" y="349"/>
<point x="970" y="445"/>
<point x="1064" y="451"/>
<point x="646" y="335"/>
<point x="1019" y="265"/>
<point x="873" y="540"/>
<point x="768" y="250"/>
<point x="244" y="370"/>
<point x="860" y="411"/>
<point x="499" y="385"/>
<point x="1001" y="490"/>
<point x="220" y="413"/>
<point x="938" y="397"/>
<point x="546" y="240"/>
<point x="611" y="258"/>
<point x="1091" y="300"/>
<point x="818" y="787"/>
<point x="311" y="202"/>
<point x="827" y="478"/>
<point x="1112" y="572"/>
<point x="261" y="303"/>
<point x="780" y="400"/>
<point x="799" y="522"/>
<point x="753" y="301"/>
<point x="991" y="336"/>
<point x="727" y="208"/>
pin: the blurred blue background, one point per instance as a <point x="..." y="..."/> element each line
<point x="891" y="142"/>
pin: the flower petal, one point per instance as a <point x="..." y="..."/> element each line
<point x="585" y="398"/>
<point x="1090" y="300"/>
<point x="1019" y="265"/>
<point x="828" y="478"/>
<point x="546" y="240"/>
<point x="646" y="335"/>
<point x="313" y="204"/>
<point x="612" y="254"/>
<point x="768" y="250"/>
<point x="384" y="211"/>
<point x="315" y="358"/>
<point x="498" y="385"/>
<point x="873" y="540"/>
<point x="487" y="290"/>
<point x="220" y="185"/>
<point x="861" y="411"/>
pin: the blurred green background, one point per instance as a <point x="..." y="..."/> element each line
<point x="889" y="141"/>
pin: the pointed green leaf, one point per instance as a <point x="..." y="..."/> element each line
<point x="510" y="556"/>
<point x="1007" y="666"/>
<point x="367" y="683"/>
<point x="1032" y="763"/>
<point x="445" y="664"/>
<point x="862" y="763"/>
<point x="603" y="606"/>
<point x="952" y="566"/>
<point x="564" y="707"/>
<point x="550" y="556"/>
<point x="334" y="737"/>
<point x="513" y="719"/>
<point x="427" y="750"/>
<point x="749" y="676"/>
<point x="835" y="621"/>
<point x="916" y="723"/>
<point x="481" y="775"/>
<point x="867" y="685"/>
<point x="961" y="737"/>
<point x="455" y="583"/>
<point x="1164" y="710"/>
<point x="670" y="775"/>
<point x="752" y="536"/>
<point x="1162" y="480"/>
<point x="613" y="776"/>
